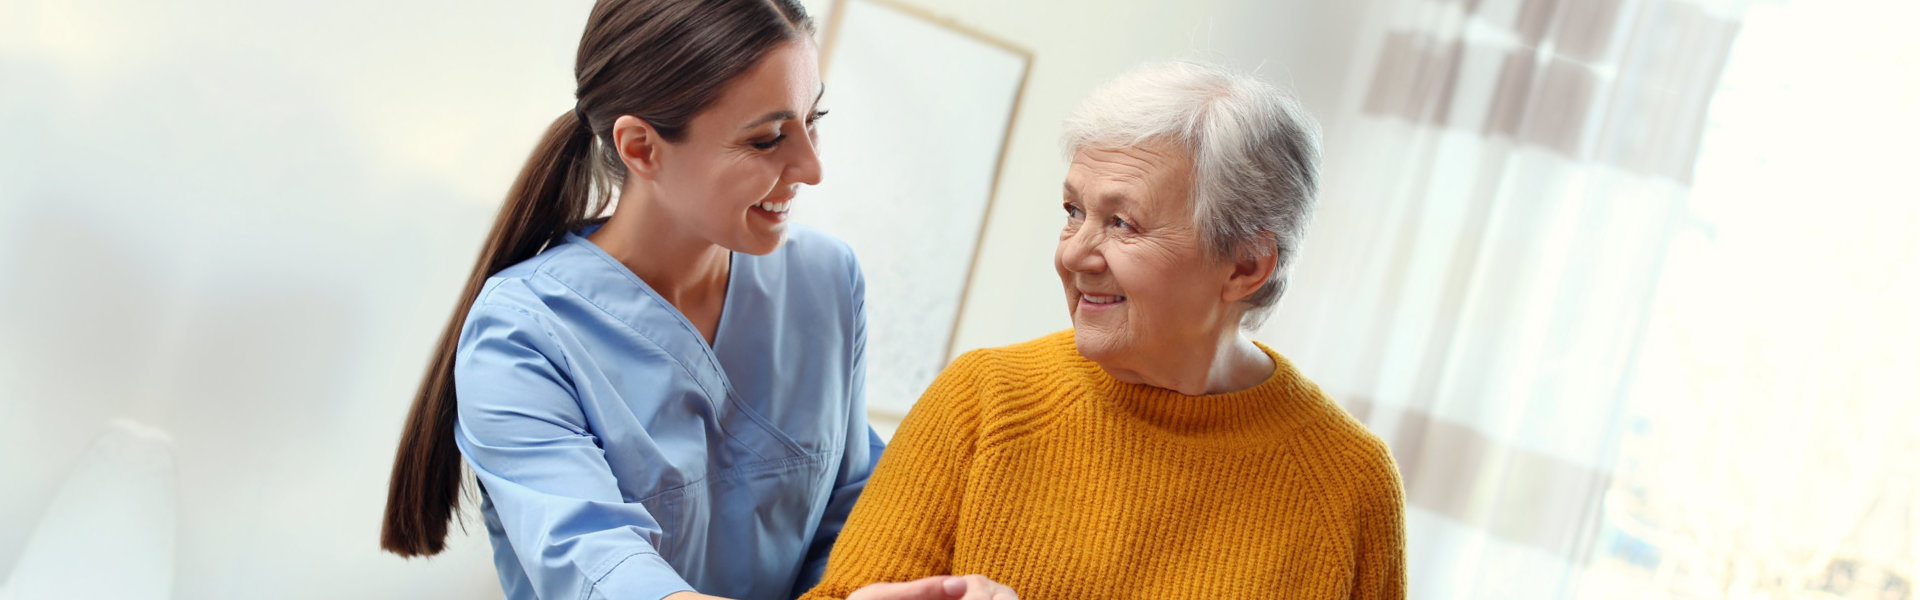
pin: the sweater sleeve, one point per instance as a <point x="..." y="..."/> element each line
<point x="1380" y="565"/>
<point x="902" y="529"/>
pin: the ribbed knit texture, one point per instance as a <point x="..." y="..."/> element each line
<point x="1032" y="466"/>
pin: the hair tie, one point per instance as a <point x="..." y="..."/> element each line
<point x="581" y="116"/>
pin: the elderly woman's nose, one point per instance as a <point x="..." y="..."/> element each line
<point x="1080" y="252"/>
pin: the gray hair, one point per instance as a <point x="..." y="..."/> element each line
<point x="1255" y="152"/>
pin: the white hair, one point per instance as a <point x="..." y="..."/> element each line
<point x="1255" y="153"/>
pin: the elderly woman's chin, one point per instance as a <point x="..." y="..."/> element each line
<point x="1110" y="334"/>
<point x="1099" y="340"/>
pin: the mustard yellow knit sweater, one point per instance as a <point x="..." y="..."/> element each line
<point x="1032" y="466"/>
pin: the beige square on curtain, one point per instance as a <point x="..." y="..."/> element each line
<point x="1492" y="227"/>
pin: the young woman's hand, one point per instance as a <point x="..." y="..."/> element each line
<point x="940" y="587"/>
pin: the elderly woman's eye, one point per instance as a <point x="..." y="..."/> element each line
<point x="1121" y="223"/>
<point x="1073" y="212"/>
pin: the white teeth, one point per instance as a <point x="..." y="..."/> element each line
<point x="778" y="207"/>
<point x="1098" y="299"/>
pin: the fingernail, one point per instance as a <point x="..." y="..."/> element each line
<point x="954" y="586"/>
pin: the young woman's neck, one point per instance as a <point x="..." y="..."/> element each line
<point x="690" y="272"/>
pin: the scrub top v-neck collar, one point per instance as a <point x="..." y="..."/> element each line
<point x="726" y="302"/>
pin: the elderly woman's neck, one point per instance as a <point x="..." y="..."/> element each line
<point x="1235" y="364"/>
<point x="1238" y="365"/>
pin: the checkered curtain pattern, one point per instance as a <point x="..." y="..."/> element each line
<point x="1499" y="200"/>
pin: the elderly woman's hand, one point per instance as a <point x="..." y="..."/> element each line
<point x="940" y="587"/>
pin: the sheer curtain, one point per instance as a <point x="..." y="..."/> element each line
<point x="1499" y="209"/>
<point x="1774" y="445"/>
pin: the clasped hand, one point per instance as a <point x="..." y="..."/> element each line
<point x="939" y="587"/>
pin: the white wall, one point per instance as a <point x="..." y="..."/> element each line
<point x="243" y="223"/>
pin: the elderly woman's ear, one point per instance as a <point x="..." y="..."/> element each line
<point x="1251" y="269"/>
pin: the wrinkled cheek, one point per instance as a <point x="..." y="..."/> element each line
<point x="1066" y="277"/>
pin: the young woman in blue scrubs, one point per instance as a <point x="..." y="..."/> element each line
<point x="669" y="400"/>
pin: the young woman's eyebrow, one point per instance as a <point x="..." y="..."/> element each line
<point x="782" y="115"/>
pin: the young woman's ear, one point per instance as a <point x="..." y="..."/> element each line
<point x="639" y="145"/>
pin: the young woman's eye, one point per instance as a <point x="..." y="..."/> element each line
<point x="769" y="144"/>
<point x="815" y="118"/>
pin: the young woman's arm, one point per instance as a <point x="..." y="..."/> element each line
<point x="522" y="429"/>
<point x="902" y="529"/>
<point x="862" y="445"/>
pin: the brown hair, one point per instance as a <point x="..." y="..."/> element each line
<point x="662" y="61"/>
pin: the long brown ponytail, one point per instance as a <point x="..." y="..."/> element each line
<point x="663" y="61"/>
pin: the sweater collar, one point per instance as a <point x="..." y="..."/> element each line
<point x="1283" y="400"/>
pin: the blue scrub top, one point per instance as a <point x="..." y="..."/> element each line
<point x="620" y="456"/>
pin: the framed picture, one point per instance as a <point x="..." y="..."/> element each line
<point x="920" y="110"/>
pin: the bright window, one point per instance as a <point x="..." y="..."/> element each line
<point x="1774" y="446"/>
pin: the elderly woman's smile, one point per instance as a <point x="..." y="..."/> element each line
<point x="1092" y="301"/>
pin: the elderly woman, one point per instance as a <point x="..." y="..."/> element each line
<point x="1153" y="451"/>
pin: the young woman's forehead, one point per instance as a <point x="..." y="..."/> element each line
<point x="786" y="81"/>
